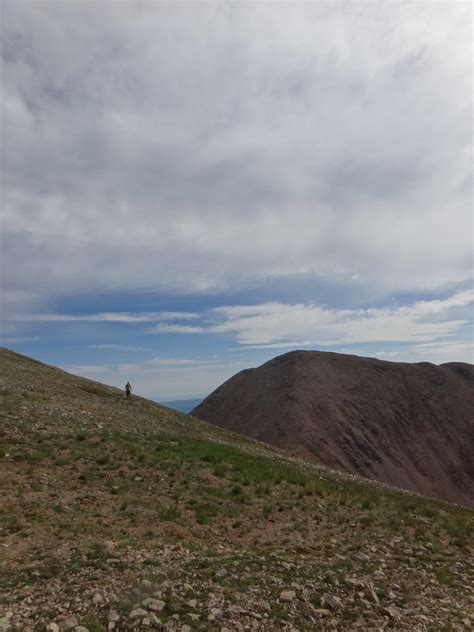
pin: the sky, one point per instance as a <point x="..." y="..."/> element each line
<point x="189" y="189"/>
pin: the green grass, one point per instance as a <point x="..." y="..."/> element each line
<point x="170" y="514"/>
<point x="170" y="505"/>
<point x="205" y="512"/>
<point x="134" y="458"/>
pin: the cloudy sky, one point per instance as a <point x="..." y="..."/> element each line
<point x="191" y="188"/>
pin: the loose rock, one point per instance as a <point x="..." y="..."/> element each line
<point x="70" y="623"/>
<point x="332" y="601"/>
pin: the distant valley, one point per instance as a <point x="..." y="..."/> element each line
<point x="183" y="405"/>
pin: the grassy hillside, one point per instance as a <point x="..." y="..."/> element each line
<point x="117" y="515"/>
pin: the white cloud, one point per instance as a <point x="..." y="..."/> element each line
<point x="117" y="347"/>
<point x="177" y="315"/>
<point x="171" y="361"/>
<point x="109" y="317"/>
<point x="436" y="352"/>
<point x="141" y="151"/>
<point x="278" y="325"/>
<point x="312" y="324"/>
<point x="282" y="325"/>
<point x="428" y="308"/>
<point x="176" y="329"/>
<point x="238" y="311"/>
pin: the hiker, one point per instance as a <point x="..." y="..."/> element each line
<point x="128" y="390"/>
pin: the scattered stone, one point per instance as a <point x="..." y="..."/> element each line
<point x="70" y="623"/>
<point x="322" y="612"/>
<point x="372" y="596"/>
<point x="137" y="613"/>
<point x="292" y="572"/>
<point x="217" y="612"/>
<point x="193" y="616"/>
<point x="154" y="619"/>
<point x="332" y="601"/>
<point x="114" y="616"/>
<point x="5" y="624"/>
<point x="391" y="612"/>
<point x="156" y="605"/>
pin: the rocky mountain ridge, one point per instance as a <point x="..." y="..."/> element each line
<point x="408" y="425"/>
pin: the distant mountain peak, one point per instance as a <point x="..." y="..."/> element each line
<point x="409" y="425"/>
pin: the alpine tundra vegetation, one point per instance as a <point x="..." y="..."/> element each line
<point x="119" y="516"/>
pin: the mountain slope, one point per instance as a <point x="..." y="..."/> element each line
<point x="409" y="425"/>
<point x="122" y="516"/>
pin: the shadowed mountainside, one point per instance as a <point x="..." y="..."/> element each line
<point x="409" y="425"/>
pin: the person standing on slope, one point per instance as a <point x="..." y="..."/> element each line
<point x="128" y="390"/>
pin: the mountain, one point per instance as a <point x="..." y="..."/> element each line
<point x="183" y="405"/>
<point x="118" y="515"/>
<point x="408" y="425"/>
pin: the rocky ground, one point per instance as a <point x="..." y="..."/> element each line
<point x="118" y="516"/>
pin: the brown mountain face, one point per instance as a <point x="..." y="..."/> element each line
<point x="408" y="425"/>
